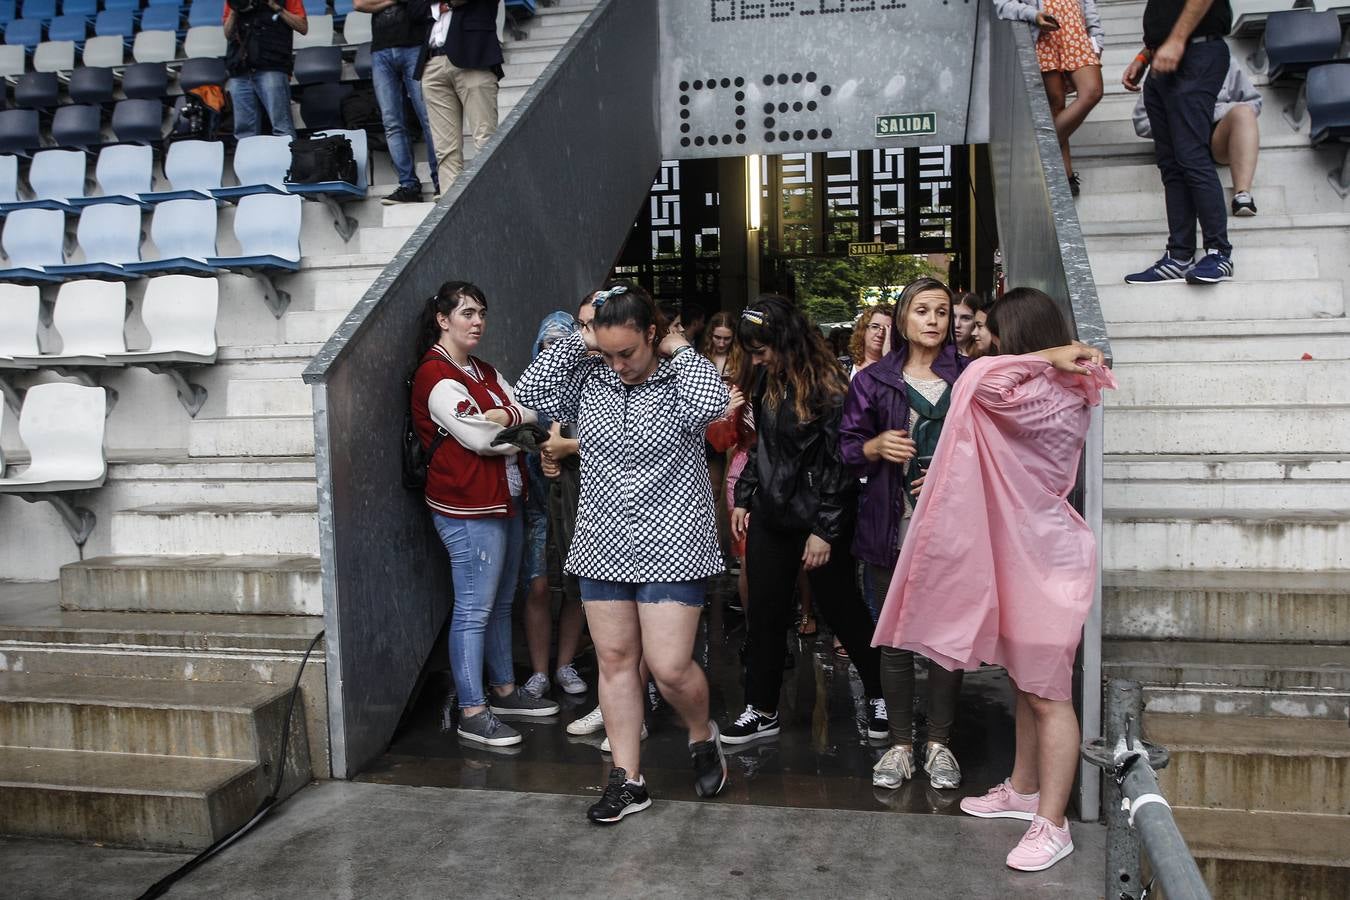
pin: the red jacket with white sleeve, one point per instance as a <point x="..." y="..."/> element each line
<point x="468" y="478"/>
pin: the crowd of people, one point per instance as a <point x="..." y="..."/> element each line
<point x="442" y="58"/>
<point x="616" y="443"/>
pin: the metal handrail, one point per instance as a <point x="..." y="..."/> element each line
<point x="1137" y="814"/>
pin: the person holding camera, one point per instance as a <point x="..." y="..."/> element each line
<point x="459" y="67"/>
<point x="399" y="30"/>
<point x="259" y="60"/>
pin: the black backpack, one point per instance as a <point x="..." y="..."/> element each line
<point x="193" y="120"/>
<point x="416" y="458"/>
<point x="318" y="159"/>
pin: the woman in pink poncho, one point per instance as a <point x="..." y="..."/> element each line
<point x="998" y="567"/>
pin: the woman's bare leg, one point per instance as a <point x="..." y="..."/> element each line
<point x="617" y="635"/>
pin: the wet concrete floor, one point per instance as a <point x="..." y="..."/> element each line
<point x="821" y="760"/>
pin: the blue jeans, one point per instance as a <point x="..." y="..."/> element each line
<point x="1180" y="109"/>
<point x="685" y="593"/>
<point x="392" y="68"/>
<point x="273" y="90"/>
<point x="484" y="560"/>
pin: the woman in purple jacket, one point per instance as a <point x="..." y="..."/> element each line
<point x="892" y="418"/>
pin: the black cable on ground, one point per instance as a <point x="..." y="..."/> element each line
<point x="161" y="887"/>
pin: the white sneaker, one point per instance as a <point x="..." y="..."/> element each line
<point x="536" y="687"/>
<point x="569" y="680"/>
<point x="604" y="745"/>
<point x="590" y="723"/>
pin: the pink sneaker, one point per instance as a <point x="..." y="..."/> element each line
<point x="1041" y="847"/>
<point x="1002" y="802"/>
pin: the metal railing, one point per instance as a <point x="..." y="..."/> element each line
<point x="1138" y="817"/>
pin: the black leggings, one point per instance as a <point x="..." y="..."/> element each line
<point x="773" y="559"/>
<point x="897" y="682"/>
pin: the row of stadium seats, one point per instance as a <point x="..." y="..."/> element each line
<point x="201" y="11"/>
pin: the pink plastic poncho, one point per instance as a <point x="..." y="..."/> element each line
<point x="997" y="567"/>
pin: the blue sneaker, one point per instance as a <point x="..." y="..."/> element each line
<point x="1211" y="268"/>
<point x="1165" y="271"/>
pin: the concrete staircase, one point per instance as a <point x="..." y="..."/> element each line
<point x="1227" y="550"/>
<point x="141" y="685"/>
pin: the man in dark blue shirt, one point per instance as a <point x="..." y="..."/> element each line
<point x="398" y="31"/>
<point x="1184" y="46"/>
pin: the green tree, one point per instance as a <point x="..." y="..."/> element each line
<point x="835" y="289"/>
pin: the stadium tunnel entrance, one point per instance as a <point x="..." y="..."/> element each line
<point x="860" y="156"/>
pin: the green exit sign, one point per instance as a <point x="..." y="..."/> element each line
<point x="906" y="124"/>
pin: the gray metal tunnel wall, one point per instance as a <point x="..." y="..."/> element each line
<point x="384" y="571"/>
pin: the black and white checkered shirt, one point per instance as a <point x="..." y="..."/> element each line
<point x="646" y="511"/>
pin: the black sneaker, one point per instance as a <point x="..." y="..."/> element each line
<point x="710" y="765"/>
<point x="1075" y="185"/>
<point x="621" y="797"/>
<point x="405" y="194"/>
<point x="878" y="723"/>
<point x="750" y="725"/>
<point x="1243" y="204"/>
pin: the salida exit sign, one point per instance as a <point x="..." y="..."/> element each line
<point x="906" y="124"/>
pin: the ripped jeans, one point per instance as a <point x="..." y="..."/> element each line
<point x="685" y="593"/>
<point x="484" y="562"/>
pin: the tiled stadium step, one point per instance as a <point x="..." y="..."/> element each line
<point x="268" y="397"/>
<point x="1181" y="383"/>
<point x="1259" y="763"/>
<point x="1252" y="340"/>
<point x="227" y="528"/>
<point x="1296" y="681"/>
<point x="239" y="584"/>
<point x="1268" y="854"/>
<point x="1232" y="482"/>
<point x="1227" y="301"/>
<point x="1177" y="538"/>
<point x="1246" y="605"/>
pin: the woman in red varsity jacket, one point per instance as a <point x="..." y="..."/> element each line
<point x="476" y="494"/>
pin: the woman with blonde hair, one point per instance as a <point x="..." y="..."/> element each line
<point x="871" y="338"/>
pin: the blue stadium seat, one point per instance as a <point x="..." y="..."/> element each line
<point x="54" y="56"/>
<point x="160" y="18"/>
<point x="1296" y="40"/>
<point x="318" y="65"/>
<point x="13" y="60"/>
<point x="39" y="9"/>
<point x="123" y="172"/>
<point x="155" y="46"/>
<point x="34" y="239"/>
<point x="184" y="234"/>
<point x="196" y="73"/>
<point x="37" y="90"/>
<point x="176" y="4"/>
<point x="342" y="8"/>
<point x="9" y="180"/>
<point x="104" y="51"/>
<point x="91" y="84"/>
<point x="68" y="28"/>
<point x="19" y="131"/>
<point x="129" y="5"/>
<point x="1329" y="103"/>
<point x="260" y="164"/>
<point x="193" y="169"/>
<point x="145" y="81"/>
<point x="86" y="8"/>
<point x="321" y="105"/>
<point x="78" y="125"/>
<point x="110" y="236"/>
<point x="7" y="12"/>
<point x="205" y="41"/>
<point x="356" y="28"/>
<point x="24" y="33"/>
<point x="55" y="177"/>
<point x="315" y="8"/>
<point x="204" y="12"/>
<point x="362" y="63"/>
<point x="267" y="227"/>
<point x="138" y="121"/>
<point x="115" y="22"/>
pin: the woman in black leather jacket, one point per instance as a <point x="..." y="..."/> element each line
<point x="796" y="507"/>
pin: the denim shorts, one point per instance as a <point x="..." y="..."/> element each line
<point x="685" y="593"/>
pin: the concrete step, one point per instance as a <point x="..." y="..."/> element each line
<point x="268" y="397"/>
<point x="387" y="239"/>
<point x="1179" y="538"/>
<point x="317" y="325"/>
<point x="1297" y="681"/>
<point x="138" y="715"/>
<point x="1229" y="300"/>
<point x="1254" y="231"/>
<point x="1237" y="605"/>
<point x="1109" y="267"/>
<point x="252" y="436"/>
<point x="273" y="585"/>
<point x="1250" y="340"/>
<point x="172" y="478"/>
<point x="236" y="528"/>
<point x="164" y="802"/>
<point x="1290" y="428"/>
<point x="1298" y="382"/>
<point x="1254" y="763"/>
<point x="1094" y="206"/>
<point x="1247" y="855"/>
<point x="1227" y="482"/>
